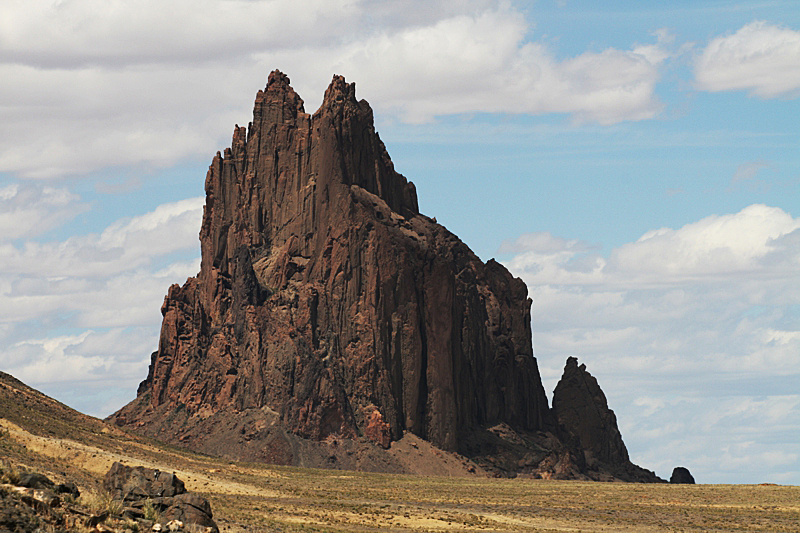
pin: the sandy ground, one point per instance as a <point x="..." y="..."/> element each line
<point x="256" y="498"/>
<point x="420" y="457"/>
<point x="98" y="461"/>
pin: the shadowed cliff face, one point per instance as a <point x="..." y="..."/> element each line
<point x="586" y="423"/>
<point x="582" y="410"/>
<point x="327" y="306"/>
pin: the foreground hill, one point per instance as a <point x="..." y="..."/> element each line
<point x="331" y="319"/>
<point x="40" y="434"/>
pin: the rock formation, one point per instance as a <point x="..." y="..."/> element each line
<point x="136" y="487"/>
<point x="129" y="484"/>
<point x="325" y="296"/>
<point x="31" y="504"/>
<point x="583" y="416"/>
<point x="330" y="317"/>
<point x="681" y="474"/>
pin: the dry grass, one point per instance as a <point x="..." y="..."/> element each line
<point x="331" y="501"/>
<point x="9" y="473"/>
<point x="99" y="501"/>
<point x="151" y="512"/>
<point x="265" y="498"/>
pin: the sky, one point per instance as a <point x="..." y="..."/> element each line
<point x="636" y="163"/>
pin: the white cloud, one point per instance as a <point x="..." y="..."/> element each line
<point x="81" y="33"/>
<point x="715" y="247"/>
<point x="707" y="311"/>
<point x="760" y="57"/>
<point x="94" y="371"/>
<point x="712" y="249"/>
<point x="124" y="246"/>
<point x="84" y="312"/>
<point x="89" y="84"/>
<point x="485" y="63"/>
<point x="29" y="210"/>
<point x="734" y="439"/>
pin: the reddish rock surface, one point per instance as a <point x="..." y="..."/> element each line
<point x="377" y="430"/>
<point x="324" y="295"/>
<point x="329" y="313"/>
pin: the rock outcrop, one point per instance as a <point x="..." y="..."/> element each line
<point x="31" y="504"/>
<point x="138" y="486"/>
<point x="132" y="484"/>
<point x="586" y="422"/>
<point x="330" y="317"/>
<point x="328" y="305"/>
<point x="681" y="474"/>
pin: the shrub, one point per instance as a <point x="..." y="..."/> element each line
<point x="9" y="473"/>
<point x="97" y="502"/>
<point x="151" y="511"/>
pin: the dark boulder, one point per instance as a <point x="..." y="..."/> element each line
<point x="34" y="480"/>
<point x="68" y="488"/>
<point x="95" y="519"/>
<point x="128" y="484"/>
<point x="190" y="509"/>
<point x="681" y="474"/>
<point x="136" y="486"/>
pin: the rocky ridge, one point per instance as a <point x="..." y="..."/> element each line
<point x="330" y="317"/>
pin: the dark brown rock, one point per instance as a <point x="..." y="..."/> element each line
<point x="190" y="509"/>
<point x="130" y="484"/>
<point x="325" y="297"/>
<point x="95" y="519"/>
<point x="68" y="488"/>
<point x="581" y="408"/>
<point x="586" y="423"/>
<point x="34" y="480"/>
<point x="681" y="474"/>
<point x="136" y="486"/>
<point x="15" y="515"/>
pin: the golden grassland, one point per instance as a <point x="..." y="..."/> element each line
<point x="66" y="445"/>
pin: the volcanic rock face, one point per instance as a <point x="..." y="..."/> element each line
<point x="327" y="307"/>
<point x="584" y="420"/>
<point x="581" y="408"/>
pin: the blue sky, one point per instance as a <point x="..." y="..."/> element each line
<point x="636" y="163"/>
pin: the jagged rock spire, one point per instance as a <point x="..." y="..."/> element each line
<point x="328" y="308"/>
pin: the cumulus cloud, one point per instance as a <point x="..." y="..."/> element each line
<point x="484" y="63"/>
<point x="28" y="210"/>
<point x="124" y="246"/>
<point x="690" y="331"/>
<point x="760" y="57"/>
<point x="74" y="34"/>
<point x="84" y="312"/>
<point x="91" y="84"/>
<point x="714" y="248"/>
